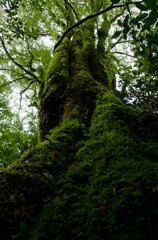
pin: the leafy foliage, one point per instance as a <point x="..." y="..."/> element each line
<point x="139" y="81"/>
<point x="14" y="140"/>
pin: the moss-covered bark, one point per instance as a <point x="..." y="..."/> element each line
<point x="93" y="175"/>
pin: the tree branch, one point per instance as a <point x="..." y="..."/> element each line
<point x="24" y="90"/>
<point x="57" y="21"/>
<point x="11" y="82"/>
<point x="124" y="54"/>
<point x="16" y="63"/>
<point x="70" y="5"/>
<point x="7" y="69"/>
<point x="117" y="42"/>
<point x="101" y="4"/>
<point x="117" y="15"/>
<point x="90" y="17"/>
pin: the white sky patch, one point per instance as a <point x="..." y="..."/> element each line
<point x="21" y="107"/>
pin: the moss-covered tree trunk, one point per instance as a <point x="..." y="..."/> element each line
<point x="74" y="78"/>
<point x="94" y="173"/>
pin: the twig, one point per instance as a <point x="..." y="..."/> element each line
<point x="24" y="90"/>
<point x="7" y="69"/>
<point x="101" y="4"/>
<point x="125" y="54"/>
<point x="118" y="41"/>
<point x="11" y="82"/>
<point x="117" y="16"/>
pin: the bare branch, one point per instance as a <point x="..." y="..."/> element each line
<point x="90" y="17"/>
<point x="125" y="54"/>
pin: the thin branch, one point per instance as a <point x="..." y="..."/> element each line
<point x="117" y="42"/>
<point x="127" y="41"/>
<point x="70" y="5"/>
<point x="90" y="17"/>
<point x="120" y="42"/>
<point x="24" y="90"/>
<point x="101" y="4"/>
<point x="54" y="18"/>
<point x="7" y="69"/>
<point x="125" y="54"/>
<point x="117" y="16"/>
<point x="16" y="63"/>
<point x="11" y="82"/>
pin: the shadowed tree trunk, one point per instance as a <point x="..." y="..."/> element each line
<point x="93" y="174"/>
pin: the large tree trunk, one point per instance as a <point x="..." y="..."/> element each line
<point x="73" y="80"/>
<point x="93" y="175"/>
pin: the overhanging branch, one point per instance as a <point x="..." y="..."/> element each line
<point x="90" y="17"/>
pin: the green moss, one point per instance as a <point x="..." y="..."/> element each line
<point x="58" y="66"/>
<point x="110" y="191"/>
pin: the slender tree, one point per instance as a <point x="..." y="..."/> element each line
<point x="93" y="174"/>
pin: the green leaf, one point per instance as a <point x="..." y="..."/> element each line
<point x="120" y="23"/>
<point x="150" y="21"/>
<point x="116" y="34"/>
<point x="151" y="4"/>
<point x="115" y="1"/>
<point x="125" y="31"/>
<point x="126" y="20"/>
<point x="152" y="17"/>
<point x="141" y="7"/>
<point x="141" y="17"/>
